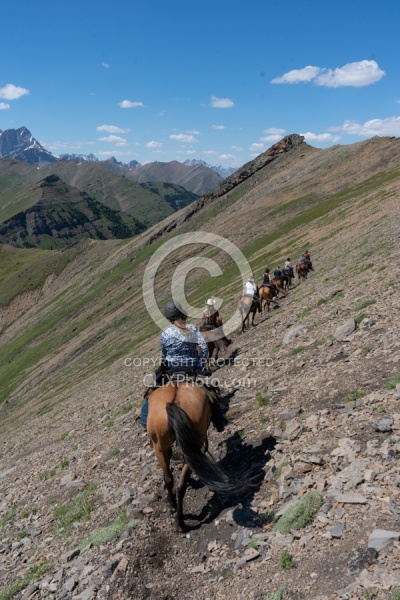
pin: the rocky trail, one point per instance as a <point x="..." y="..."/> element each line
<point x="312" y="398"/>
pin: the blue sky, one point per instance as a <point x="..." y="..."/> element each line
<point x="212" y="80"/>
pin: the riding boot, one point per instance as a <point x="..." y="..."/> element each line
<point x="217" y="416"/>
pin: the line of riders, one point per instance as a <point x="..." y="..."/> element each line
<point x="277" y="282"/>
<point x="184" y="351"/>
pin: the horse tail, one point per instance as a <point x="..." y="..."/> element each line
<point x="206" y="469"/>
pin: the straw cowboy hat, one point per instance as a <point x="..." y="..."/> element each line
<point x="210" y="302"/>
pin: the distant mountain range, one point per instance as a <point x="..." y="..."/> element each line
<point x="139" y="205"/>
<point x="89" y="198"/>
<point x="21" y="145"/>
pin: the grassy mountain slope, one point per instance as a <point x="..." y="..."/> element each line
<point x="61" y="215"/>
<point x="93" y="313"/>
<point x="305" y="421"/>
<point x="118" y="193"/>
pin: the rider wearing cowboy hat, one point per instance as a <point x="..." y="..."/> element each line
<point x="211" y="315"/>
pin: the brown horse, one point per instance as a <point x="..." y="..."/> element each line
<point x="247" y="306"/>
<point x="279" y="286"/>
<point x="266" y="297"/>
<point x="216" y="342"/>
<point x="302" y="271"/>
<point x="182" y="413"/>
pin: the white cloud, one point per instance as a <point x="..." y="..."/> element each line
<point x="227" y="157"/>
<point x="298" y="75"/>
<point x="111" y="129"/>
<point x="193" y="132"/>
<point x="115" y="153"/>
<point x="129" y="104"/>
<point x="105" y="65"/>
<point x="321" y="137"/>
<point x="221" y="102"/>
<point x="12" y="92"/>
<point x="382" y="127"/>
<point x="153" y="144"/>
<point x="275" y="131"/>
<point x="237" y="148"/>
<point x="114" y="139"/>
<point x="219" y="127"/>
<point x="256" y="147"/>
<point x="210" y="152"/>
<point x="271" y="138"/>
<point x="356" y="74"/>
<point x="183" y="137"/>
<point x="4" y="106"/>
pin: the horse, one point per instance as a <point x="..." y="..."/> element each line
<point x="182" y="413"/>
<point x="216" y="342"/>
<point x="267" y="295"/>
<point x="302" y="271"/>
<point x="247" y="305"/>
<point x="279" y="285"/>
<point x="287" y="276"/>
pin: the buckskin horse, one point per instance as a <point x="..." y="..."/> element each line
<point x="266" y="297"/>
<point x="248" y="306"/>
<point x="182" y="413"/>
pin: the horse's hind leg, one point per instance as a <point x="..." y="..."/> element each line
<point x="164" y="462"/>
<point x="180" y="494"/>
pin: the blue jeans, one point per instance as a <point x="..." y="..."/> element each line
<point x="144" y="412"/>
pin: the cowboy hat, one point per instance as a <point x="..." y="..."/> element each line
<point x="210" y="302"/>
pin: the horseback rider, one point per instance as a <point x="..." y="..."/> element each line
<point x="267" y="281"/>
<point x="289" y="267"/>
<point x="278" y="273"/>
<point x="307" y="259"/>
<point x="211" y="316"/>
<point x="252" y="291"/>
<point x="184" y="352"/>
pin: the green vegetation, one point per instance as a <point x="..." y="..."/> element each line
<point x="355" y="395"/>
<point x="366" y="267"/>
<point x="278" y="471"/>
<point x="301" y="513"/>
<point x="103" y="535"/>
<point x="265" y="518"/>
<point x="9" y="516"/>
<point x="360" y="318"/>
<point x="262" y="400"/>
<point x="304" y="313"/>
<point x="363" y="304"/>
<point x="321" y="301"/>
<point x="395" y="593"/>
<point x="27" y="270"/>
<point x="254" y="544"/>
<point x="78" y="509"/>
<point x="297" y="350"/>
<point x="286" y="560"/>
<point x="48" y="474"/>
<point x="22" y="582"/>
<point x="114" y="451"/>
<point x="391" y="384"/>
<point x="278" y="595"/>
